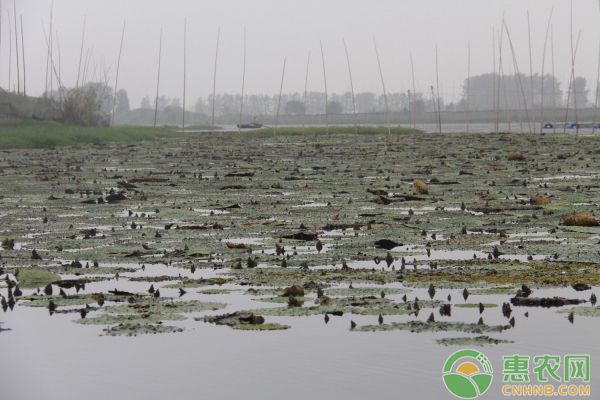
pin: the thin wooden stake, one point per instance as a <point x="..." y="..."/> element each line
<point x="351" y="87"/>
<point x="414" y="90"/>
<point x="573" y="71"/>
<point x="595" y="120"/>
<point x="48" y="55"/>
<point x="494" y="89"/>
<point x="112" y="122"/>
<point x="385" y="99"/>
<point x="185" y="73"/>
<point x="501" y="84"/>
<point x="414" y="93"/>
<point x="280" y="93"/>
<point x="543" y="71"/>
<point x="553" y="76"/>
<point x="468" y="97"/>
<point x="158" y="77"/>
<point x="9" y="52"/>
<point x="17" y="46"/>
<point x="60" y="86"/>
<point x="23" y="54"/>
<point x="1" y="22"/>
<point x="212" y="120"/>
<point x="433" y="101"/>
<point x="306" y="94"/>
<point x="572" y="88"/>
<point x="437" y="84"/>
<point x="81" y="52"/>
<point x="516" y="66"/>
<point x="530" y="68"/>
<point x="325" y="84"/>
<point x="243" y="83"/>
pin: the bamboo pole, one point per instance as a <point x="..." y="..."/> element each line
<point x="17" y="46"/>
<point x="543" y="71"/>
<point x="184" y="73"/>
<point x="531" y="96"/>
<point x="325" y="84"/>
<point x="385" y="99"/>
<point x="573" y="70"/>
<point x="553" y="75"/>
<point x="414" y="90"/>
<point x="49" y="52"/>
<point x="23" y="55"/>
<point x="433" y="100"/>
<point x="53" y="71"/>
<point x="595" y="120"/>
<point x="81" y="52"/>
<point x="572" y="87"/>
<point x="501" y="83"/>
<point x="1" y="25"/>
<point x="351" y="87"/>
<point x="114" y="105"/>
<point x="243" y="84"/>
<point x="60" y="93"/>
<point x="9" y="52"/>
<point x="212" y="120"/>
<point x="86" y="65"/>
<point x="516" y="66"/>
<point x="279" y="99"/>
<point x="437" y="84"/>
<point x="410" y="110"/>
<point x="500" y="86"/>
<point x="494" y="89"/>
<point x="468" y="96"/>
<point x="158" y="77"/>
<point x="52" y="66"/>
<point x="306" y="94"/>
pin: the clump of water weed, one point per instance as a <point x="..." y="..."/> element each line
<point x="580" y="219"/>
<point x="420" y="186"/>
<point x="516" y="156"/>
<point x="539" y="200"/>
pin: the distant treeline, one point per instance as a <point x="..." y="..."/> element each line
<point x="479" y="93"/>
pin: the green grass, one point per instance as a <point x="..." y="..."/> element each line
<point x="47" y="134"/>
<point x="332" y="130"/>
<point x="33" y="277"/>
<point x="202" y="127"/>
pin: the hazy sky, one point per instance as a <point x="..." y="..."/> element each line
<point x="293" y="28"/>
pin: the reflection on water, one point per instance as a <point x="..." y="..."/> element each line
<point x="311" y="359"/>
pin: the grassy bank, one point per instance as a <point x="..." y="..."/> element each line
<point x="332" y="130"/>
<point x="46" y="134"/>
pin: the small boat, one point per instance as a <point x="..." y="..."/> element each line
<point x="251" y="125"/>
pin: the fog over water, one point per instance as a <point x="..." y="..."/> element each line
<point x="285" y="28"/>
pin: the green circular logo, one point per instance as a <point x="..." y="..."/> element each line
<point x="468" y="374"/>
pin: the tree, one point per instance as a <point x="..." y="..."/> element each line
<point x="146" y="103"/>
<point x="122" y="101"/>
<point x="581" y="93"/>
<point x="295" y="107"/>
<point x="83" y="106"/>
<point x="334" y="107"/>
<point x="365" y="102"/>
<point x="163" y="102"/>
<point x="482" y="89"/>
<point x="103" y="94"/>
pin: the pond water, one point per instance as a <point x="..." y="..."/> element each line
<point x="171" y="234"/>
<point x="313" y="359"/>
